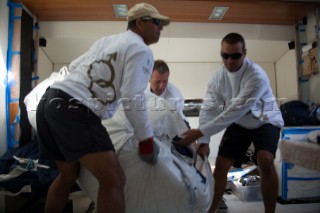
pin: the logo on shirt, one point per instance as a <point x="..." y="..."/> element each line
<point x="101" y="74"/>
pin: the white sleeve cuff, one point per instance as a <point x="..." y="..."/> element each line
<point x="204" y="139"/>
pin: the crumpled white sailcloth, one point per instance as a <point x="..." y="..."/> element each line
<point x="172" y="185"/>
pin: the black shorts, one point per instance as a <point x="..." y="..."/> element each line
<point x="236" y="140"/>
<point x="67" y="129"/>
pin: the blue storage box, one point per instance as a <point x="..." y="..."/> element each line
<point x="298" y="182"/>
<point x="297" y="133"/>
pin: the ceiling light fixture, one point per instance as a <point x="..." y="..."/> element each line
<point x="218" y="13"/>
<point x="120" y="10"/>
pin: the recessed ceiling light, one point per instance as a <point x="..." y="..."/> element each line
<point x="120" y="10"/>
<point x="218" y="13"/>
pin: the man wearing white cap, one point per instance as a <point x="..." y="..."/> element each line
<point x="114" y="71"/>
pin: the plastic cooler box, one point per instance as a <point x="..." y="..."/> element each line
<point x="246" y="193"/>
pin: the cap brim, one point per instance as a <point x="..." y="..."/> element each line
<point x="165" y="19"/>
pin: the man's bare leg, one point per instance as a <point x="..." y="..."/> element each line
<point x="220" y="176"/>
<point x="106" y="168"/>
<point x="269" y="180"/>
<point x="59" y="190"/>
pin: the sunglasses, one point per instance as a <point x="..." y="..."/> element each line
<point x="156" y="21"/>
<point x="233" y="56"/>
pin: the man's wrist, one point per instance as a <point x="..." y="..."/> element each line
<point x="146" y="146"/>
<point x="148" y="140"/>
<point x="200" y="134"/>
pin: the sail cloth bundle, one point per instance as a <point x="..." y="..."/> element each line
<point x="176" y="183"/>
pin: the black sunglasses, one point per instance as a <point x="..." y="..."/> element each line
<point x="156" y="21"/>
<point x="233" y="56"/>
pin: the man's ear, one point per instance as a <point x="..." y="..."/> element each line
<point x="245" y="51"/>
<point x="139" y="23"/>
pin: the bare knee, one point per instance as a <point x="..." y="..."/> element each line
<point x="110" y="175"/>
<point x="68" y="172"/>
<point x="222" y="166"/>
<point x="266" y="161"/>
<point x="117" y="180"/>
<point x="69" y="179"/>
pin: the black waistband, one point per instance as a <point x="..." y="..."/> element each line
<point x="70" y="101"/>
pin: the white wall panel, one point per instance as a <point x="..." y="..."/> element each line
<point x="314" y="89"/>
<point x="4" y="14"/>
<point x="286" y="75"/>
<point x="269" y="68"/>
<point x="192" y="78"/>
<point x="45" y="66"/>
<point x="179" y="41"/>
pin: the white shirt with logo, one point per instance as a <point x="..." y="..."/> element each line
<point x="115" y="70"/>
<point x="244" y="97"/>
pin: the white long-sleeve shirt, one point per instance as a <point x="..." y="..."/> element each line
<point x="243" y="97"/>
<point x="115" y="70"/>
<point x="171" y="95"/>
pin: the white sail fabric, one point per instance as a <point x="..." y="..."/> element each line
<point x="176" y="183"/>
